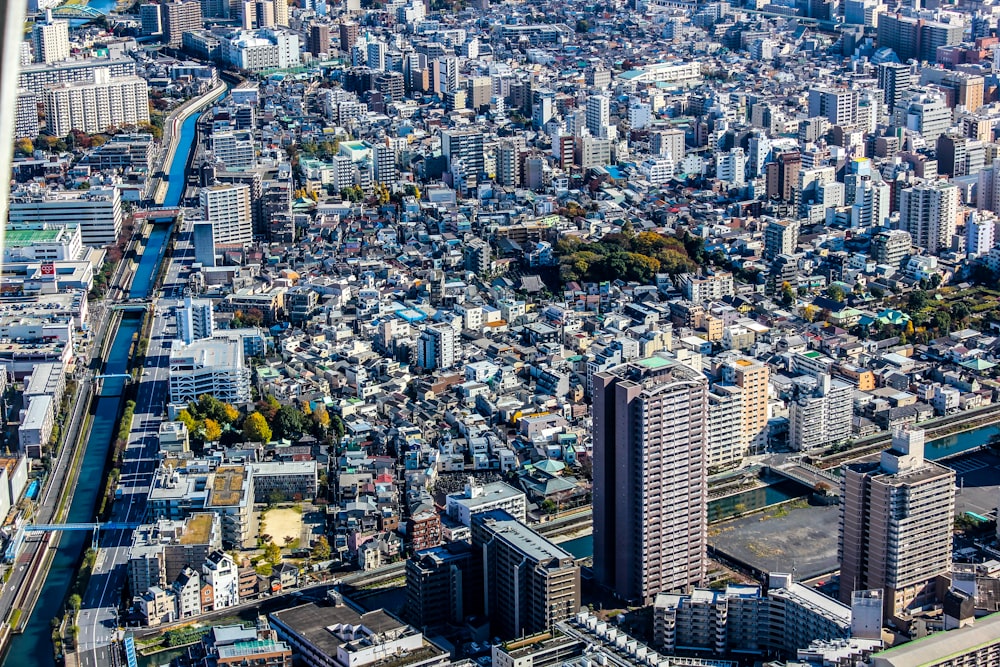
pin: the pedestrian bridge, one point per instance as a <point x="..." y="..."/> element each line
<point x="17" y="540"/>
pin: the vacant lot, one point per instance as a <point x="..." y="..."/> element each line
<point x="802" y="540"/>
<point x="283" y="525"/>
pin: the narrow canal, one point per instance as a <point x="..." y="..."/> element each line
<point x="34" y="645"/>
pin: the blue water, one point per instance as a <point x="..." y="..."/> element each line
<point x="34" y="646"/>
<point x="149" y="262"/>
<point x="177" y="181"/>
<point x="953" y="444"/>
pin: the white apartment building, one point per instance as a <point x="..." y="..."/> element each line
<point x="725" y="427"/>
<point x="657" y="170"/>
<point x="95" y="107"/>
<point x="706" y="288"/>
<point x="50" y="40"/>
<point x="97" y="212"/>
<point x="260" y="50"/>
<point x="929" y="212"/>
<point x="195" y="320"/>
<point x="227" y="207"/>
<point x="437" y="347"/>
<point x="26" y="121"/>
<point x="822" y="418"/>
<point x="476" y="499"/>
<point x="235" y="149"/>
<point x="212" y="366"/>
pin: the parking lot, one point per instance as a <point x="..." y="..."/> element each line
<point x="978" y="480"/>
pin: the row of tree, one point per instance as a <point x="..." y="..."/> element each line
<point x="210" y="420"/>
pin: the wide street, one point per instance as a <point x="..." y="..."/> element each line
<point x="98" y="620"/>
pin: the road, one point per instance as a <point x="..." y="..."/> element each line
<point x="98" y="620"/>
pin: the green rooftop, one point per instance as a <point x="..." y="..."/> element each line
<point x="652" y="363"/>
<point x="812" y="354"/>
<point x="19" y="238"/>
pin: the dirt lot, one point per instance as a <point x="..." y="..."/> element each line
<point x="283" y="525"/>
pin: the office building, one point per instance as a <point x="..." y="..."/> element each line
<point x="896" y="522"/>
<point x="337" y="635"/>
<point x="929" y="212"/>
<point x="227" y="208"/>
<point x="821" y="416"/>
<point x="203" y="239"/>
<point x="177" y="18"/>
<point x="925" y="112"/>
<point x="976" y="644"/>
<point x="194" y="319"/>
<point x="50" y="40"/>
<point x="96" y="212"/>
<point x="261" y="49"/>
<point x="212" y="366"/>
<point x="149" y="20"/>
<point x="650" y="494"/>
<point x="529" y="582"/>
<point x="97" y="106"/>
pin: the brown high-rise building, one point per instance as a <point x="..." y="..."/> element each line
<point x="348" y="35"/>
<point x="896" y="521"/>
<point x="752" y="377"/>
<point x="319" y="39"/>
<point x="782" y="175"/>
<point x="650" y="490"/>
<point x="179" y="18"/>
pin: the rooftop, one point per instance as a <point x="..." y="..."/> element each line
<point x="940" y="646"/>
<point x="227" y="487"/>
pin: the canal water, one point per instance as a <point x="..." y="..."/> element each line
<point x="723" y="508"/>
<point x="34" y="645"/>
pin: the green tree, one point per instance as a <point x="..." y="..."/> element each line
<point x="835" y="292"/>
<point x="338" y="428"/>
<point x="272" y="554"/>
<point x="256" y="429"/>
<point x="321" y="548"/>
<point x="75" y="602"/>
<point x="960" y="311"/>
<point x="917" y="300"/>
<point x="582" y="26"/>
<point x="290" y="422"/>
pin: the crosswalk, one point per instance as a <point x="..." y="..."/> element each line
<point x="964" y="466"/>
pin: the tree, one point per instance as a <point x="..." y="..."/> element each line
<point x="75" y="602"/>
<point x="835" y="292"/>
<point x="269" y="407"/>
<point x="272" y="554"/>
<point x="321" y="548"/>
<point x="321" y="417"/>
<point x="582" y="26"/>
<point x="960" y="311"/>
<point x="255" y="428"/>
<point x="188" y="420"/>
<point x="24" y="146"/>
<point x="229" y="413"/>
<point x="917" y="300"/>
<point x="211" y="430"/>
<point x="289" y="422"/>
<point x="787" y="294"/>
<point x="338" y="428"/>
